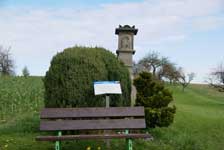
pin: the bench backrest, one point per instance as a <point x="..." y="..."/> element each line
<point x="100" y="118"/>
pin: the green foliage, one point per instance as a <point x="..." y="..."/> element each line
<point x="69" y="80"/>
<point x="152" y="94"/>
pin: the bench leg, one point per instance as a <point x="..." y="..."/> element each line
<point x="128" y="142"/>
<point x="57" y="143"/>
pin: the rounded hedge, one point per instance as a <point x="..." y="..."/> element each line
<point x="69" y="80"/>
<point x="152" y="94"/>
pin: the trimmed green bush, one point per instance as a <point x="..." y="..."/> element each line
<point x="152" y="94"/>
<point x="69" y="80"/>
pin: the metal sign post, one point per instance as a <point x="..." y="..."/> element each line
<point x="107" y="101"/>
<point x="106" y="88"/>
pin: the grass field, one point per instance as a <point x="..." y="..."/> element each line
<point x="198" y="125"/>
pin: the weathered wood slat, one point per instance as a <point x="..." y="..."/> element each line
<point x="98" y="112"/>
<point x="86" y="137"/>
<point x="104" y="124"/>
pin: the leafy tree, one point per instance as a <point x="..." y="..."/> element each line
<point x="152" y="94"/>
<point x="6" y="62"/>
<point x="25" y="72"/>
<point x="69" y="80"/>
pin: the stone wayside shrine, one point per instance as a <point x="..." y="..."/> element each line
<point x="126" y="50"/>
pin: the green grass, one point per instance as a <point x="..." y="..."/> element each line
<point x="198" y="125"/>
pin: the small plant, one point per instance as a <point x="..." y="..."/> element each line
<point x="152" y="94"/>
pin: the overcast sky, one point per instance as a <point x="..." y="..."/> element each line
<point x="189" y="32"/>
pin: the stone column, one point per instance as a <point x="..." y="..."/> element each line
<point x="126" y="51"/>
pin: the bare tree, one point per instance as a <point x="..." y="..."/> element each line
<point x="6" y="62"/>
<point x="217" y="77"/>
<point x="161" y="67"/>
<point x="170" y="72"/>
<point x="138" y="68"/>
<point x="185" y="79"/>
<point x="151" y="61"/>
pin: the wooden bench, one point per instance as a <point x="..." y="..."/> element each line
<point x="100" y="118"/>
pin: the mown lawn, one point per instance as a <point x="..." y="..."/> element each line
<point x="198" y="125"/>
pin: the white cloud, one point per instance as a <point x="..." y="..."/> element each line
<point x="37" y="34"/>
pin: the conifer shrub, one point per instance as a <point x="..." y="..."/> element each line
<point x="69" y="80"/>
<point x="152" y="94"/>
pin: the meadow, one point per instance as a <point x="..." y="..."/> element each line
<point x="198" y="125"/>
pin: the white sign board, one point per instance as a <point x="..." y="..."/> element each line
<point x="107" y="87"/>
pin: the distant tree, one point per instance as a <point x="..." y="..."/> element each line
<point x="138" y="68"/>
<point x="185" y="79"/>
<point x="170" y="72"/>
<point x="161" y="67"/>
<point x="135" y="68"/>
<point x="151" y="62"/>
<point x="25" y="72"/>
<point x="6" y="62"/>
<point x="217" y="77"/>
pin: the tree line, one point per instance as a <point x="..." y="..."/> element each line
<point x="163" y="69"/>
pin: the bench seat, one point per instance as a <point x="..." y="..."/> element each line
<point x="92" y="136"/>
<point x="100" y="119"/>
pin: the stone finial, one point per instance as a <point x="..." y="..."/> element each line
<point x="126" y="28"/>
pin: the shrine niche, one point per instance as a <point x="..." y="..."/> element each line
<point x="125" y="42"/>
